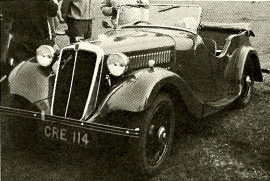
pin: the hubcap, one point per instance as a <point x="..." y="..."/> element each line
<point x="248" y="80"/>
<point x="151" y="130"/>
<point x="162" y="134"/>
<point x="246" y="87"/>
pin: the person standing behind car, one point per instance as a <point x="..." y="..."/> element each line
<point x="78" y="15"/>
<point x="110" y="8"/>
<point x="29" y="26"/>
<point x="55" y="21"/>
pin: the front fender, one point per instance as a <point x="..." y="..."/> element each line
<point x="141" y="88"/>
<point x="30" y="81"/>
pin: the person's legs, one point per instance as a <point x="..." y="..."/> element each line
<point x="79" y="28"/>
<point x="71" y="31"/>
<point x="88" y="28"/>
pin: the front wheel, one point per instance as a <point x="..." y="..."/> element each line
<point x="156" y="135"/>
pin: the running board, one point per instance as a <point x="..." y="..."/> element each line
<point x="215" y="106"/>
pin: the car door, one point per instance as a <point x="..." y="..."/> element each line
<point x="194" y="65"/>
<point x="202" y="66"/>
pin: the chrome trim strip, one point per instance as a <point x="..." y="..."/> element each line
<point x="72" y="79"/>
<point x="158" y="26"/>
<point x="56" y="78"/>
<point x="102" y="63"/>
<point x="100" y="57"/>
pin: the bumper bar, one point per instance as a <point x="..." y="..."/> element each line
<point x="71" y="122"/>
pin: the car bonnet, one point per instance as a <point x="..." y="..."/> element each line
<point x="133" y="40"/>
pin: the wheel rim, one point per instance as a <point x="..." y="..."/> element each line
<point x="158" y="134"/>
<point x="247" y="85"/>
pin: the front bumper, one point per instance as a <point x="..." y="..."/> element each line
<point x="73" y="123"/>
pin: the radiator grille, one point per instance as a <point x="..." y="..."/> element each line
<point x="73" y="83"/>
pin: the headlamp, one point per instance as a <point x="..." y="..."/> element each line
<point x="117" y="63"/>
<point x="44" y="55"/>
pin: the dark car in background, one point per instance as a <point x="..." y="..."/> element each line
<point x="138" y="80"/>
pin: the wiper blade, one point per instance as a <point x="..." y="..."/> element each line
<point x="169" y="8"/>
<point x="137" y="5"/>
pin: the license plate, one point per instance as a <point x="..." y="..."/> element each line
<point x="66" y="134"/>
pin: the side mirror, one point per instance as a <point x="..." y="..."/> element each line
<point x="106" y="24"/>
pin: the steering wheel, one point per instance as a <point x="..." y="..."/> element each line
<point x="138" y="22"/>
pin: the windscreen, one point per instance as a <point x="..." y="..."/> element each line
<point x="179" y="16"/>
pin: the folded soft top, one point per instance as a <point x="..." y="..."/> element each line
<point x="235" y="27"/>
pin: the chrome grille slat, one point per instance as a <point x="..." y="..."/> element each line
<point x="73" y="71"/>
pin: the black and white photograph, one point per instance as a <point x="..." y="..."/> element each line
<point x="97" y="90"/>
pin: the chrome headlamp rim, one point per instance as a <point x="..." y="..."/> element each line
<point x="44" y="55"/>
<point x="117" y="67"/>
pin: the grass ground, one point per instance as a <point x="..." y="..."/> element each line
<point x="231" y="145"/>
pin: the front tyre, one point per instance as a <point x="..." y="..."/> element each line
<point x="156" y="135"/>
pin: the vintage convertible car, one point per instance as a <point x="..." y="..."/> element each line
<point x="137" y="81"/>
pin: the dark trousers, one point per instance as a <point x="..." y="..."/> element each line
<point x="79" y="28"/>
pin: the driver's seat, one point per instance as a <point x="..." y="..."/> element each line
<point x="211" y="45"/>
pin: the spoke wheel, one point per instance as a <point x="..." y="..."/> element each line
<point x="156" y="135"/>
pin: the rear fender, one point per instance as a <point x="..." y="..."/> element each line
<point x="141" y="88"/>
<point x="248" y="56"/>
